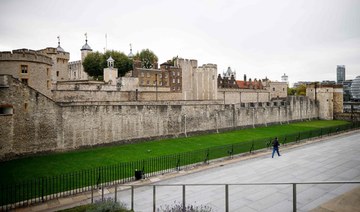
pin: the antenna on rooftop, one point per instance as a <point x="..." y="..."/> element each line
<point x="105" y="49"/>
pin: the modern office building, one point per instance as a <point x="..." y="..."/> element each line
<point x="340" y="74"/>
<point x="355" y="89"/>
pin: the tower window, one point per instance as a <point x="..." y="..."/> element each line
<point x="24" y="69"/>
<point x="25" y="81"/>
<point x="6" y="110"/>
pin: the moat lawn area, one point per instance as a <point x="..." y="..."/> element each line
<point x="60" y="163"/>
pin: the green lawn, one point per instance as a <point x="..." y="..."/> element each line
<point x="59" y="163"/>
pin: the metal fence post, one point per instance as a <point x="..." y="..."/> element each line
<point x="92" y="194"/>
<point x="98" y="180"/>
<point x="183" y="199"/>
<point x="102" y="193"/>
<point x="294" y="197"/>
<point x="42" y="189"/>
<point x="178" y="163"/>
<point x="132" y="198"/>
<point x="115" y="193"/>
<point x="154" y="198"/>
<point x="207" y="155"/>
<point x="226" y="198"/>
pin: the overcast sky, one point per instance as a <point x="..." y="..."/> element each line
<point x="305" y="39"/>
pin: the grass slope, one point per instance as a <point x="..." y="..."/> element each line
<point x="59" y="163"/>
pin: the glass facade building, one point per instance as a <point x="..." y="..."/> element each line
<point x="340" y="74"/>
<point x="355" y="89"/>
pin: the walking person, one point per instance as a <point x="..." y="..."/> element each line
<point x="275" y="147"/>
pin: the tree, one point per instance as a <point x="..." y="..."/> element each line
<point x="291" y="91"/>
<point x="147" y="58"/>
<point x="121" y="61"/>
<point x="95" y="62"/>
<point x="301" y="90"/>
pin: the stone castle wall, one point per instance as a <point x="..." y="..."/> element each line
<point x="329" y="98"/>
<point x="187" y="68"/>
<point x="204" y="82"/>
<point x="39" y="68"/>
<point x="338" y="100"/>
<point x="25" y="55"/>
<point x="39" y="124"/>
<point x="238" y="96"/>
<point x="59" y="63"/>
<point x="277" y="90"/>
<point x="33" y="126"/>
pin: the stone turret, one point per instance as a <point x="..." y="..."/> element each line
<point x="110" y="73"/>
<point x="86" y="49"/>
<point x="328" y="97"/>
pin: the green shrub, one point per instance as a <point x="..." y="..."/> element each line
<point x="108" y="205"/>
<point x="178" y="207"/>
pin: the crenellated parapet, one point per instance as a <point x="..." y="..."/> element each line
<point x="209" y="65"/>
<point x="54" y="51"/>
<point x="180" y="62"/>
<point x="25" y="55"/>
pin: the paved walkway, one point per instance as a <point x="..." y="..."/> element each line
<point x="331" y="159"/>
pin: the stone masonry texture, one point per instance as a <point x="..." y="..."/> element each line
<point x="39" y="124"/>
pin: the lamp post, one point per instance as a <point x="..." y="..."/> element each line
<point x="156" y="87"/>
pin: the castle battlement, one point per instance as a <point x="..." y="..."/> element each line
<point x="25" y="55"/>
<point x="180" y="62"/>
<point x="52" y="50"/>
<point x="209" y="65"/>
<point x="324" y="86"/>
<point x="75" y="62"/>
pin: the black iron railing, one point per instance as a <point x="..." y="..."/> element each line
<point x="47" y="188"/>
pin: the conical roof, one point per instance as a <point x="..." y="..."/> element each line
<point x="59" y="49"/>
<point x="86" y="47"/>
<point x="110" y="59"/>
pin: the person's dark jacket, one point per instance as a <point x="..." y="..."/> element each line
<point x="276" y="143"/>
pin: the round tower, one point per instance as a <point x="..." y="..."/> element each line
<point x="85" y="49"/>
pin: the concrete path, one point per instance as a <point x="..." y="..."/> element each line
<point x="331" y="159"/>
